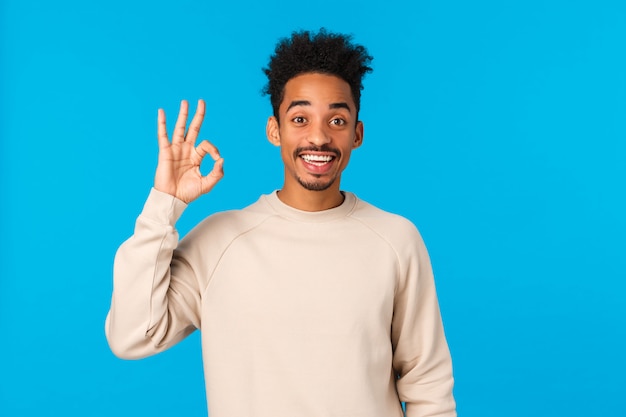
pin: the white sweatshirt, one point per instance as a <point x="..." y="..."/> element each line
<point x="303" y="314"/>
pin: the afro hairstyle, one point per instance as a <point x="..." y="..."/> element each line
<point x="322" y="52"/>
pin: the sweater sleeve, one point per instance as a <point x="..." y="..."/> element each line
<point x="156" y="296"/>
<point x="421" y="356"/>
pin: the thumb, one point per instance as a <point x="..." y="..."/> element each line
<point x="213" y="177"/>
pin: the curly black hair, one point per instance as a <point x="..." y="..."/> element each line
<point x="323" y="52"/>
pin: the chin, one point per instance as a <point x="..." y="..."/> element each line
<point x="315" y="185"/>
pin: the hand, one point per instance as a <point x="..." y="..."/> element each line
<point x="178" y="171"/>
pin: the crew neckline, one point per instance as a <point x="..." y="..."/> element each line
<point x="285" y="210"/>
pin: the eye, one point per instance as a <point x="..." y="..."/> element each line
<point x="337" y="122"/>
<point x="298" y="120"/>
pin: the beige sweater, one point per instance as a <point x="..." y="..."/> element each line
<point x="303" y="314"/>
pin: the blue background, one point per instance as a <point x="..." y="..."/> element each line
<point x="498" y="127"/>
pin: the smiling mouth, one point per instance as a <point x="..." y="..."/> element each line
<point x="317" y="160"/>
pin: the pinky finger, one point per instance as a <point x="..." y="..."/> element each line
<point x="162" y="129"/>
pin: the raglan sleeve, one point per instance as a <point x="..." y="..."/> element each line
<point x="156" y="295"/>
<point x="421" y="359"/>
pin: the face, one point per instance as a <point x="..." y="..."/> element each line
<point x="317" y="132"/>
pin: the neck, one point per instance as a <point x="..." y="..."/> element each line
<point x="307" y="200"/>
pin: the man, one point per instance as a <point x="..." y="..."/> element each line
<point x="311" y="302"/>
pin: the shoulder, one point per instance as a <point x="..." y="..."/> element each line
<point x="388" y="223"/>
<point x="400" y="234"/>
<point x="223" y="227"/>
<point x="397" y="230"/>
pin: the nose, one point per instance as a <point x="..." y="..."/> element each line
<point x="319" y="134"/>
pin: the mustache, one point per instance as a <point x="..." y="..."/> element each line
<point x="323" y="148"/>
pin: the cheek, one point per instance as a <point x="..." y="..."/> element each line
<point x="290" y="137"/>
<point x="286" y="153"/>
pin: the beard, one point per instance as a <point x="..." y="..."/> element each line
<point x="319" y="184"/>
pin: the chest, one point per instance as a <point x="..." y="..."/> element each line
<point x="325" y="278"/>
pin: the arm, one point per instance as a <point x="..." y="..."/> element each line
<point x="156" y="296"/>
<point x="421" y="357"/>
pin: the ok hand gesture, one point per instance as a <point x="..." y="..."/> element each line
<point x="178" y="171"/>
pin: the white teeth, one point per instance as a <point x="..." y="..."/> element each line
<point x="317" y="159"/>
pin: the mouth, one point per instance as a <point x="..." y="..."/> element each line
<point x="317" y="159"/>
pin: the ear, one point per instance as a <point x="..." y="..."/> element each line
<point x="358" y="135"/>
<point x="272" y="131"/>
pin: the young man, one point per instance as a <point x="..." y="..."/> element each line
<point x="311" y="302"/>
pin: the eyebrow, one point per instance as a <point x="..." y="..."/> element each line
<point x="298" y="103"/>
<point x="341" y="105"/>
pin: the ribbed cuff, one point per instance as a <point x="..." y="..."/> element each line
<point x="163" y="208"/>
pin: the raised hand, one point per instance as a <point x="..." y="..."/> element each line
<point x="178" y="171"/>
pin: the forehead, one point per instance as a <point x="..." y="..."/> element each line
<point x="320" y="89"/>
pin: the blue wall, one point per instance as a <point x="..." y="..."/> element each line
<point x="498" y="127"/>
